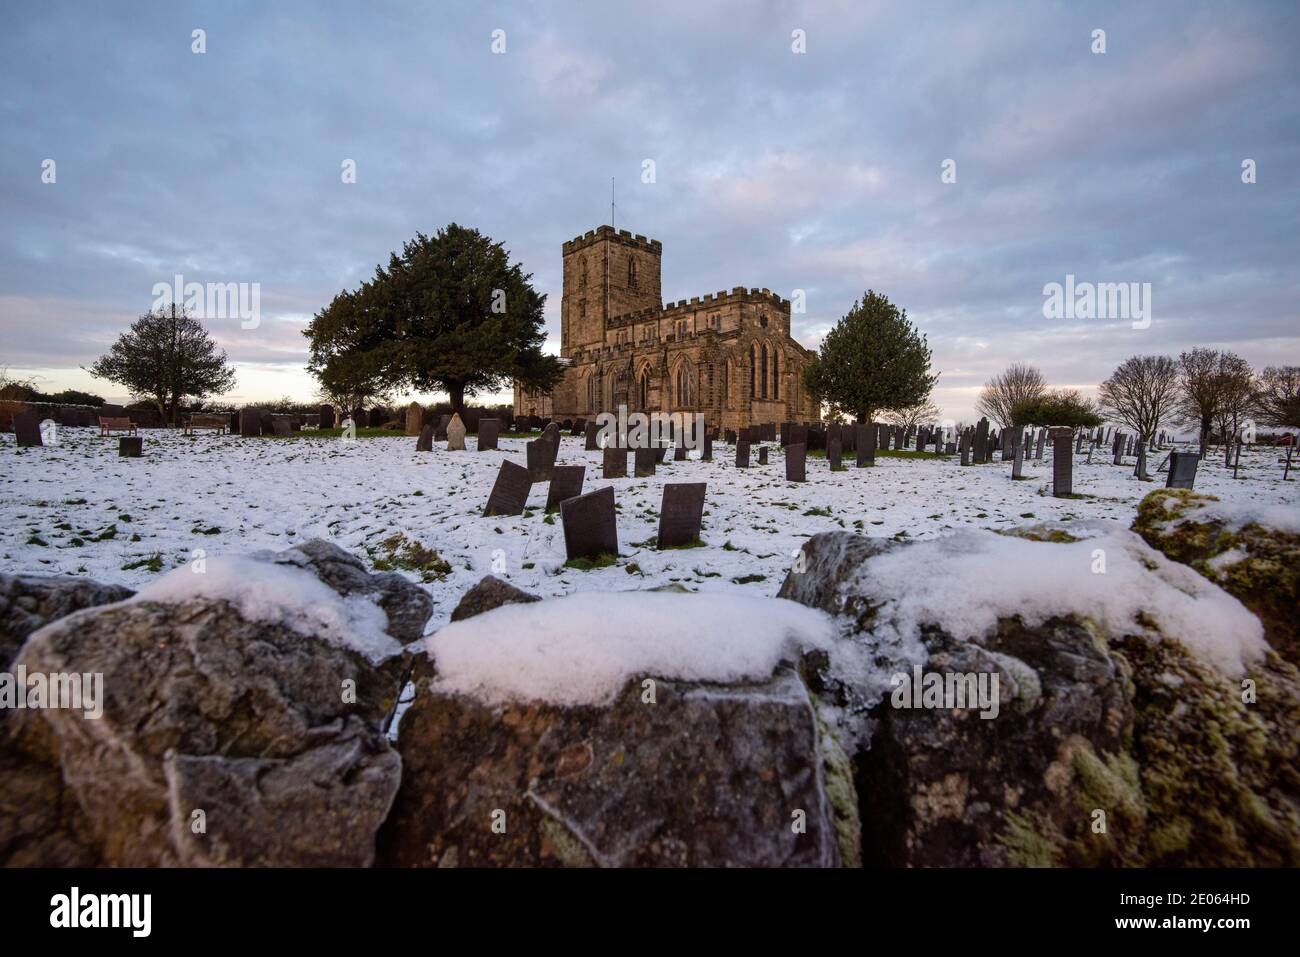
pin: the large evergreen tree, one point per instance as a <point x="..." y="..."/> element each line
<point x="167" y="356"/>
<point x="450" y="313"/>
<point x="874" y="359"/>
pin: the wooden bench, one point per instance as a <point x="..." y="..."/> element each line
<point x="219" y="422"/>
<point x="108" y="424"/>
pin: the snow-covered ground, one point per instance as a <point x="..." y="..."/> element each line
<point x="77" y="508"/>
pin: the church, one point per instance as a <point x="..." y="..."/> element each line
<point x="728" y="355"/>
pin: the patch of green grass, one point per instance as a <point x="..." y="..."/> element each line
<point x="106" y="535"/>
<point x="910" y="454"/>
<point x="200" y="530"/>
<point x="397" y="551"/>
<point x="822" y="510"/>
<point x="747" y="579"/>
<point x="153" y="563"/>
<point x="35" y="539"/>
<point x="124" y="518"/>
<point x="604" y="560"/>
<point x="74" y="501"/>
<point x="693" y="543"/>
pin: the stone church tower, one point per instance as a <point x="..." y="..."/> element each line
<point x="726" y="354"/>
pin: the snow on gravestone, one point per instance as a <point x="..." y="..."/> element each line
<point x="510" y="491"/>
<point x="680" y="513"/>
<point x="590" y="527"/>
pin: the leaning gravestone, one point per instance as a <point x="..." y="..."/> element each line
<point x="762" y="455"/>
<point x="425" y="442"/>
<point x="566" y="482"/>
<point x="1062" y="463"/>
<point x="440" y="430"/>
<point x="27" y="430"/>
<point x="833" y="453"/>
<point x="414" y="419"/>
<point x="591" y="430"/>
<point x="541" y="458"/>
<point x="130" y="446"/>
<point x="796" y="463"/>
<point x="742" y="455"/>
<point x="510" y="491"/>
<point x="488" y="430"/>
<point x="865" y="440"/>
<point x="615" y="462"/>
<point x="456" y="434"/>
<point x="645" y="459"/>
<point x="250" y="423"/>
<point x="707" y="454"/>
<point x="1182" y="470"/>
<point x="680" y="514"/>
<point x="590" y="526"/>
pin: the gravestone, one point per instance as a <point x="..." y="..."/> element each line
<point x="456" y="435"/>
<point x="540" y="455"/>
<point x="981" y="451"/>
<point x="1118" y="448"/>
<point x="590" y="432"/>
<point x="866" y="444"/>
<point x="833" y="452"/>
<point x="730" y="437"/>
<point x="425" y="442"/>
<point x="488" y="430"/>
<point x="1078" y="446"/>
<point x="949" y="448"/>
<point x="130" y="446"/>
<point x="742" y="455"/>
<point x="233" y="425"/>
<point x="440" y="430"/>
<point x="414" y="419"/>
<point x="509" y="492"/>
<point x="680" y="513"/>
<point x="1182" y="470"/>
<point x="798" y="436"/>
<point x="796" y="463"/>
<point x="644" y="461"/>
<point x="324" y="415"/>
<point x="590" y="524"/>
<point x="27" y="430"/>
<point x="615" y="462"/>
<point x="707" y="454"/>
<point x="566" y="482"/>
<point x="679" y="453"/>
<point x="1017" y="456"/>
<point x="1062" y="463"/>
<point x="1042" y="440"/>
<point x="281" y="427"/>
<point x="660" y="452"/>
<point x="250" y="423"/>
<point x="849" y="438"/>
<point x="762" y="455"/>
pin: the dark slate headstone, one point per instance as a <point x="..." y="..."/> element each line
<point x="1018" y="455"/>
<point x="981" y="442"/>
<point x="742" y="455"/>
<point x="949" y="448"/>
<point x="566" y="482"/>
<point x="540" y="454"/>
<point x="590" y="525"/>
<point x="27" y="430"/>
<point x="1062" y="463"/>
<point x="281" y="426"/>
<point x="510" y="491"/>
<point x="762" y="455"/>
<point x="234" y="423"/>
<point x="590" y="431"/>
<point x="833" y="453"/>
<point x="1182" y="470"/>
<point x="680" y="514"/>
<point x="798" y="436"/>
<point x="796" y="463"/>
<point x="615" y="462"/>
<point x="731" y="437"/>
<point x="679" y="453"/>
<point x="325" y="415"/>
<point x="645" y="462"/>
<point x="425" y="442"/>
<point x="440" y="431"/>
<point x="866" y="443"/>
<point x="250" y="422"/>
<point x="769" y="432"/>
<point x="1078" y="446"/>
<point x="1042" y="440"/>
<point x="130" y="446"/>
<point x="707" y="454"/>
<point x="488" y="430"/>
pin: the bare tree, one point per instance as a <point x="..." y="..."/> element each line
<point x="1142" y="393"/>
<point x="910" y="416"/>
<point x="1277" y="396"/>
<point x="1236" y="398"/>
<point x="1199" y="391"/>
<point x="1008" y="390"/>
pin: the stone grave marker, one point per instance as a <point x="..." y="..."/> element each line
<point x="615" y="462"/>
<point x="1182" y="470"/>
<point x="981" y="442"/>
<point x="762" y="454"/>
<point x="281" y="426"/>
<point x="706" y="455"/>
<point x="644" y="461"/>
<point x="1017" y="456"/>
<point x="130" y="446"/>
<point x="1062" y="463"/>
<point x="834" y="452"/>
<point x="730" y="437"/>
<point x="590" y="524"/>
<point x="325" y="417"/>
<point x="796" y="463"/>
<point x="414" y="419"/>
<point x="590" y="431"/>
<point x="865" y="441"/>
<point x="1042" y="440"/>
<point x="566" y="482"/>
<point x="540" y="453"/>
<point x="250" y="422"/>
<point x="742" y="455"/>
<point x="425" y="442"/>
<point x="680" y="514"/>
<point x="27" y="430"/>
<point x="679" y="453"/>
<point x="488" y="431"/>
<point x="440" y="430"/>
<point x="1117" y="448"/>
<point x="510" y="491"/>
<point x="798" y="436"/>
<point x="456" y="434"/>
<point x="233" y="427"/>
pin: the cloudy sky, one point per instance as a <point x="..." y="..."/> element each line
<point x="819" y="171"/>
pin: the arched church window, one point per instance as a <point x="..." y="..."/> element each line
<point x="631" y="272"/>
<point x="762" y="372"/>
<point x="776" y="376"/>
